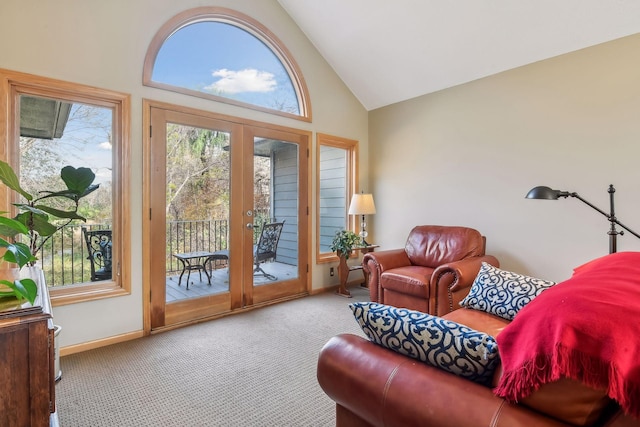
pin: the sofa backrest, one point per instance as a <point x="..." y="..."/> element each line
<point x="434" y="245"/>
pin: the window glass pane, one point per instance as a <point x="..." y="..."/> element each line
<point x="224" y="60"/>
<point x="53" y="134"/>
<point x="333" y="188"/>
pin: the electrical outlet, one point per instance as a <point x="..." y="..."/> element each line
<point x="331" y="272"/>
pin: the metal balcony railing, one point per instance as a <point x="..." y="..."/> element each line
<point x="63" y="258"/>
<point x="64" y="261"/>
<point x="192" y="236"/>
<point x="203" y="235"/>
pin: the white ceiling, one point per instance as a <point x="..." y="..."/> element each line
<point x="388" y="51"/>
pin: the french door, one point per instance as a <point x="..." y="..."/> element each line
<point x="217" y="189"/>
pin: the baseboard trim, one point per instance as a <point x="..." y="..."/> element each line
<point x="78" y="348"/>
<point x="72" y="349"/>
<point x="351" y="284"/>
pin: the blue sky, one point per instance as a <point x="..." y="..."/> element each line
<point x="91" y="141"/>
<point x="225" y="60"/>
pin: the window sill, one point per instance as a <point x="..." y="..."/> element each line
<point x="80" y="293"/>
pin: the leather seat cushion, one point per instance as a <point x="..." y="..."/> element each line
<point x="479" y="320"/>
<point x="565" y="399"/>
<point x="569" y="401"/>
<point x="411" y="279"/>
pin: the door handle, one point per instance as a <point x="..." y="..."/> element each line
<point x="249" y="226"/>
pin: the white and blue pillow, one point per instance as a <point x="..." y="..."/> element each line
<point x="439" y="342"/>
<point x="503" y="293"/>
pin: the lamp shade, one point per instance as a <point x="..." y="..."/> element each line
<point x="543" y="193"/>
<point x="362" y="204"/>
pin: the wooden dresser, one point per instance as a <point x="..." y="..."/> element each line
<point x="27" y="385"/>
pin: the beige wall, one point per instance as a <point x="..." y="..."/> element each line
<point x="469" y="154"/>
<point x="465" y="156"/>
<point x="103" y="44"/>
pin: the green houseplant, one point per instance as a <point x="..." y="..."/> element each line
<point x="344" y="241"/>
<point x="49" y="211"/>
<point x="39" y="218"/>
<point x="16" y="253"/>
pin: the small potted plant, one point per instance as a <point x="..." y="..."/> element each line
<point x="344" y="242"/>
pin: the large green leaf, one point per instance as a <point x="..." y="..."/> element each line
<point x="29" y="289"/>
<point x="77" y="180"/>
<point x="4" y="243"/>
<point x="18" y="253"/>
<point x="90" y="189"/>
<point x="28" y="208"/>
<point x="8" y="176"/>
<point x="10" y="227"/>
<point x="39" y="222"/>
<point x="22" y="288"/>
<point x="60" y="214"/>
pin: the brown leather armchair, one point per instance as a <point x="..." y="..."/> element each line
<point x="424" y="275"/>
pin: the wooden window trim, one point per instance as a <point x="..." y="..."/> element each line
<point x="351" y="146"/>
<point x="13" y="84"/>
<point x="244" y="22"/>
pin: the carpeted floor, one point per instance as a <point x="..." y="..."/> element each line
<point x="251" y="369"/>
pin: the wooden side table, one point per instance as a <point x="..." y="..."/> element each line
<point x="344" y="269"/>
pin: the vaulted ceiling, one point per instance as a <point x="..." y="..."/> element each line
<point x="387" y="51"/>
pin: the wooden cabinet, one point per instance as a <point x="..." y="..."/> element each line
<point x="27" y="385"/>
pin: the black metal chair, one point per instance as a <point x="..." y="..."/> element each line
<point x="267" y="247"/>
<point x="99" y="248"/>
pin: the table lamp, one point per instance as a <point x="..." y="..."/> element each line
<point x="362" y="204"/>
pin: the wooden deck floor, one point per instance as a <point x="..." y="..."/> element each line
<point x="220" y="281"/>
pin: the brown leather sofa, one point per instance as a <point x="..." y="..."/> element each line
<point x="435" y="258"/>
<point x="375" y="386"/>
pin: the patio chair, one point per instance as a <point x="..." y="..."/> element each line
<point x="99" y="248"/>
<point x="267" y="247"/>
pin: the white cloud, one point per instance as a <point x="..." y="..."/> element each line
<point x="105" y="145"/>
<point x="247" y="80"/>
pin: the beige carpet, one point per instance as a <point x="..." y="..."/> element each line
<point x="252" y="369"/>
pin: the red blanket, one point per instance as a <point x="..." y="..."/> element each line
<point x="586" y="328"/>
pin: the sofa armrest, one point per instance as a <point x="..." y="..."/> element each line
<point x="375" y="263"/>
<point x="385" y="388"/>
<point x="451" y="282"/>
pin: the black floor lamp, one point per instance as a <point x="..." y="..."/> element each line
<point x="549" y="194"/>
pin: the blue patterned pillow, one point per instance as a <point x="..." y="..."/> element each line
<point x="501" y="292"/>
<point x="439" y="342"/>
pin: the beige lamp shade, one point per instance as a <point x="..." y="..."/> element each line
<point x="362" y="204"/>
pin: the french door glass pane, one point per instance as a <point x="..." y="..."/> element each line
<point x="276" y="190"/>
<point x="197" y="211"/>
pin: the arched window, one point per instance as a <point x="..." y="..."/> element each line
<point x="223" y="55"/>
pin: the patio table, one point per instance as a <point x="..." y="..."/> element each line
<point x="198" y="261"/>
